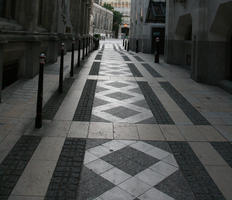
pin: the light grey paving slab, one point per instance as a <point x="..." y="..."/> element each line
<point x="134" y="186"/>
<point x="211" y="133"/>
<point x="222" y="176"/>
<point x="13" y="197"/>
<point x="171" y="133"/>
<point x="99" y="151"/>
<point x="142" y="146"/>
<point x="79" y="130"/>
<point x="116" y="176"/>
<point x="125" y="131"/>
<point x="150" y="132"/>
<point x="116" y="193"/>
<point x="164" y="168"/>
<point x="114" y="145"/>
<point x="49" y="149"/>
<point x="154" y="194"/>
<point x="101" y="130"/>
<point x="157" y="153"/>
<point x="150" y="177"/>
<point x="226" y="131"/>
<point x="207" y="154"/>
<point x="99" y="166"/>
<point x="35" y="178"/>
<point x="89" y="157"/>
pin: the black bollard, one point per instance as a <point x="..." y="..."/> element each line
<point x="128" y="45"/>
<point x="157" y="40"/>
<point x="137" y="46"/>
<point x="39" y="107"/>
<point x="61" y="68"/>
<point x="79" y="53"/>
<point x="83" y="50"/>
<point x="86" y="49"/>
<point x="72" y="58"/>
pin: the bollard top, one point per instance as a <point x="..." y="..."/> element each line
<point x="42" y="58"/>
<point x="157" y="39"/>
<point x="62" y="46"/>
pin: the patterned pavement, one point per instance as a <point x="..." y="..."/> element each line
<point x="125" y="129"/>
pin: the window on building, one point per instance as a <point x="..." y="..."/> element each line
<point x="40" y="17"/>
<point x="2" y="8"/>
<point x="156" y="12"/>
<point x="8" y="9"/>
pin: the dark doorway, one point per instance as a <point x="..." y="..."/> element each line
<point x="231" y="58"/>
<point x="2" y="8"/>
<point x="10" y="74"/>
<point x="125" y="30"/>
<point x="158" y="32"/>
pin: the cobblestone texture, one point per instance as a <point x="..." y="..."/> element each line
<point x="66" y="177"/>
<point x="85" y="105"/>
<point x="14" y="164"/>
<point x="194" y="172"/>
<point x="95" y="68"/>
<point x="52" y="106"/>
<point x="134" y="70"/>
<point x="151" y="70"/>
<point x="158" y="110"/>
<point x="98" y="57"/>
<point x="193" y="114"/>
<point x="225" y="150"/>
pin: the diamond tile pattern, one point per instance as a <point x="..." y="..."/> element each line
<point x="127" y="166"/>
<point x="124" y="103"/>
<point x="110" y="68"/>
<point x="121" y="112"/>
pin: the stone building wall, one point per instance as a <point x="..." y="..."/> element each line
<point x="102" y="20"/>
<point x="199" y="34"/>
<point x="28" y="28"/>
<point x="140" y="29"/>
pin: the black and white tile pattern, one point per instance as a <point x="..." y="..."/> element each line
<point x="130" y="170"/>
<point x="120" y="101"/>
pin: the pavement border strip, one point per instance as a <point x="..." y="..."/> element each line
<point x="157" y="109"/>
<point x="192" y="113"/>
<point x="138" y="58"/>
<point x="201" y="184"/>
<point x="134" y="70"/>
<point x="98" y="57"/>
<point x="66" y="176"/>
<point x="125" y="58"/>
<point x="54" y="103"/>
<point x="151" y="70"/>
<point x="225" y="150"/>
<point x="84" y="109"/>
<point x="119" y="47"/>
<point x="15" y="162"/>
<point x="95" y="68"/>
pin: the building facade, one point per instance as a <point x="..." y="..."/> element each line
<point x="124" y="7"/>
<point x="147" y="23"/>
<point x="28" y="28"/>
<point x="199" y="35"/>
<point x="101" y="21"/>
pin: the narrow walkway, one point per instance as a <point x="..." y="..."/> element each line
<point x="126" y="129"/>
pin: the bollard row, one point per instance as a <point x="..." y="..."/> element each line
<point x="87" y="46"/>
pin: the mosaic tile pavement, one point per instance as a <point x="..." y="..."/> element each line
<point x="120" y="101"/>
<point x="144" y="170"/>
